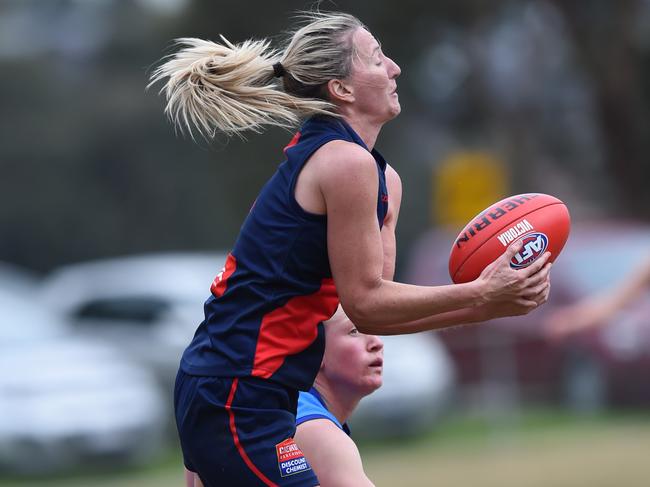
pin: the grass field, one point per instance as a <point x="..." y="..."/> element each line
<point x="539" y="450"/>
<point x="536" y="449"/>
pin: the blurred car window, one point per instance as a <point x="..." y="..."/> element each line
<point x="138" y="311"/>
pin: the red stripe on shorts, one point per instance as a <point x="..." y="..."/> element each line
<point x="240" y="448"/>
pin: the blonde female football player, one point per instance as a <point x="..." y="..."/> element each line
<point x="321" y="231"/>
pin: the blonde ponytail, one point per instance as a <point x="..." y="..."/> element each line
<point x="232" y="88"/>
<point x="227" y="87"/>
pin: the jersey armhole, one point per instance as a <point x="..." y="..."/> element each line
<point x="294" y="179"/>
<point x="309" y="417"/>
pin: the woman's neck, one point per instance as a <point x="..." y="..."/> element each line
<point x="340" y="401"/>
<point x="368" y="131"/>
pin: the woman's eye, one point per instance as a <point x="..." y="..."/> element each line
<point x="354" y="331"/>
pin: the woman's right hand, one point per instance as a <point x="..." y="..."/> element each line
<point x="510" y="292"/>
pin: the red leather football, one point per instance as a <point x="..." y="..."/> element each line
<point x="540" y="220"/>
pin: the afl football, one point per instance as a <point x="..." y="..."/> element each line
<point x="541" y="221"/>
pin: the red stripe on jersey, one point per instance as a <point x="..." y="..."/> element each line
<point x="292" y="142"/>
<point x="291" y="328"/>
<point x="220" y="282"/>
<point x="235" y="437"/>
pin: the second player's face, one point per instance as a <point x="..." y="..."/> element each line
<point x="353" y="360"/>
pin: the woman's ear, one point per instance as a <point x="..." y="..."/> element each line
<point x="339" y="90"/>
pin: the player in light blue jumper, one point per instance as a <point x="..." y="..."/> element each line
<point x="351" y="369"/>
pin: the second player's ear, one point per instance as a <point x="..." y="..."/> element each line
<point x="339" y="90"/>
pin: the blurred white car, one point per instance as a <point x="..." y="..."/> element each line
<point x="418" y="387"/>
<point x="148" y="305"/>
<point x="67" y="400"/>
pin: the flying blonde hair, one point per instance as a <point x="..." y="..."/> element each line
<point x="232" y="88"/>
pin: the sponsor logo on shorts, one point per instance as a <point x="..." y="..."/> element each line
<point x="291" y="460"/>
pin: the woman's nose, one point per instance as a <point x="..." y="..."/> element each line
<point x="395" y="69"/>
<point x="374" y="343"/>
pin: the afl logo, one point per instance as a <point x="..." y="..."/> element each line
<point x="534" y="246"/>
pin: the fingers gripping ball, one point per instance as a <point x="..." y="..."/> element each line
<point x="540" y="221"/>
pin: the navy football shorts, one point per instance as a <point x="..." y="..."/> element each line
<point x="239" y="432"/>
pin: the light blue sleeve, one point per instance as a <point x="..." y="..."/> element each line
<point x="309" y="407"/>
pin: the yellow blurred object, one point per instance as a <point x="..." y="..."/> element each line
<point x="465" y="183"/>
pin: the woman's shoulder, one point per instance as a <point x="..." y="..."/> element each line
<point x="338" y="153"/>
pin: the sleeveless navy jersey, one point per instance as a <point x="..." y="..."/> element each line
<point x="264" y="317"/>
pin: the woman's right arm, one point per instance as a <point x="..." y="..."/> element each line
<point x="348" y="183"/>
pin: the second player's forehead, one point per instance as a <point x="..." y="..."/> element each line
<point x="339" y="322"/>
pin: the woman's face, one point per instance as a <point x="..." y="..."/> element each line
<point x="373" y="79"/>
<point x="352" y="360"/>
